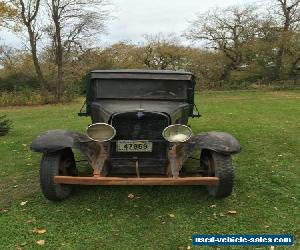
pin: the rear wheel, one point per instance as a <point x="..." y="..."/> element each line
<point x="53" y="164"/>
<point x="218" y="165"/>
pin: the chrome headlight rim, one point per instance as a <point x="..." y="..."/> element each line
<point x="105" y="124"/>
<point x="176" y="125"/>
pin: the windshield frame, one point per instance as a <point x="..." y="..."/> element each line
<point x="143" y="88"/>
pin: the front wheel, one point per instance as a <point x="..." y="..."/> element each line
<point x="218" y="165"/>
<point x="58" y="163"/>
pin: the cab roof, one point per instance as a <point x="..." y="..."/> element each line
<point x="141" y="74"/>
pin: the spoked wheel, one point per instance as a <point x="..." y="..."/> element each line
<point x="218" y="165"/>
<point x="53" y="164"/>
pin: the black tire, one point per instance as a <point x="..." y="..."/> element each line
<point x="219" y="165"/>
<point x="52" y="164"/>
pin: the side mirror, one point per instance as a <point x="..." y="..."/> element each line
<point x="196" y="112"/>
<point x="81" y="112"/>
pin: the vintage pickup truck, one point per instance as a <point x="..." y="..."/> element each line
<point x="139" y="136"/>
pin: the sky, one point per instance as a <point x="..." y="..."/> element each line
<point x="137" y="17"/>
<point x="133" y="18"/>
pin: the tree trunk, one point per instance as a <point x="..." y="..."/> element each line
<point x="226" y="73"/>
<point x="59" y="61"/>
<point x="293" y="69"/>
<point x="36" y="63"/>
<point x="28" y="19"/>
<point x="278" y="63"/>
<point x="283" y="40"/>
<point x="58" y="52"/>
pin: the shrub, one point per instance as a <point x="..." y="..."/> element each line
<point x="5" y="125"/>
<point x="32" y="97"/>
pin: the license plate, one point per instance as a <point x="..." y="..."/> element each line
<point x="134" y="146"/>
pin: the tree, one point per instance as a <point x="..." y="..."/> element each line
<point x="73" y="23"/>
<point x="228" y="31"/>
<point x="27" y="16"/>
<point x="17" y="70"/>
<point x="121" y="55"/>
<point x="287" y="12"/>
<point x="7" y="13"/>
<point x="206" y="65"/>
<point x="163" y="52"/>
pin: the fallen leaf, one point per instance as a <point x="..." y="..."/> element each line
<point x="39" y="231"/>
<point x="40" y="242"/>
<point x="232" y="212"/>
<point x="172" y="215"/>
<point x="23" y="203"/>
<point x="130" y="196"/>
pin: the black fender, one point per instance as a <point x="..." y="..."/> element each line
<point x="55" y="140"/>
<point x="219" y="142"/>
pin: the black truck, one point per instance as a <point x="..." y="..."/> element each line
<point x="139" y="136"/>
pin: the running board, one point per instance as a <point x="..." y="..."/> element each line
<point x="155" y="181"/>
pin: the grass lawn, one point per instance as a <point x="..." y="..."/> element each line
<point x="265" y="197"/>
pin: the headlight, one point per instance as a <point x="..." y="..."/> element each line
<point x="177" y="133"/>
<point x="100" y="132"/>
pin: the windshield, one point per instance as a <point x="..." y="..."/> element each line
<point x="141" y="88"/>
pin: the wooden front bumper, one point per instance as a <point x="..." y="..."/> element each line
<point x="121" y="181"/>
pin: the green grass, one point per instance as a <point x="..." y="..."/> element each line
<point x="266" y="193"/>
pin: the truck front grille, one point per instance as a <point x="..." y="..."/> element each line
<point x="140" y="126"/>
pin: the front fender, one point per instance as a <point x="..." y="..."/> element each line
<point x="55" y="140"/>
<point x="217" y="141"/>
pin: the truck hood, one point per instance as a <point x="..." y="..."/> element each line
<point x="102" y="110"/>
